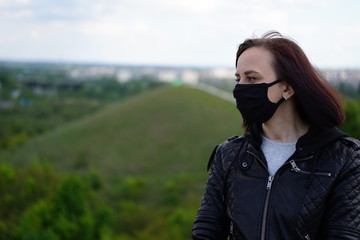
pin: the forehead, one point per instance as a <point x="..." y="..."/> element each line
<point x="255" y="58"/>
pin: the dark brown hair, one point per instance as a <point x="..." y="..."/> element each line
<point x="317" y="102"/>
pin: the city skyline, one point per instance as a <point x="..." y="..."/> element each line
<point x="174" y="33"/>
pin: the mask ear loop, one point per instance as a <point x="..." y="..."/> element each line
<point x="274" y="82"/>
<point x="281" y="101"/>
<point x="283" y="98"/>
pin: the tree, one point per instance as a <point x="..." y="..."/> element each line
<point x="352" y="122"/>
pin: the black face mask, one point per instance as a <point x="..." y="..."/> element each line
<point x="253" y="103"/>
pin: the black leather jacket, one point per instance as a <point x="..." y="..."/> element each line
<point x="314" y="195"/>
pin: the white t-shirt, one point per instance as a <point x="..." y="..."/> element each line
<point x="276" y="153"/>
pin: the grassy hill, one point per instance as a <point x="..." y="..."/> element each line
<point x="160" y="141"/>
<point x="163" y="132"/>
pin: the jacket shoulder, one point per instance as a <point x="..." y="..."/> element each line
<point x="230" y="143"/>
<point x="346" y="150"/>
<point x="351" y="142"/>
<point x="226" y="145"/>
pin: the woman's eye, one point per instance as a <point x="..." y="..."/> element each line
<point x="237" y="80"/>
<point x="251" y="78"/>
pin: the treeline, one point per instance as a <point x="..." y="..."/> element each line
<point x="349" y="89"/>
<point x="351" y="125"/>
<point x="351" y="102"/>
<point x="39" y="203"/>
<point x="31" y="105"/>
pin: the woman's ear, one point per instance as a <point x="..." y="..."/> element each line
<point x="288" y="91"/>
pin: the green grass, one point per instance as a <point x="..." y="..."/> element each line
<point x="160" y="136"/>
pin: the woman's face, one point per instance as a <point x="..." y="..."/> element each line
<point x="255" y="66"/>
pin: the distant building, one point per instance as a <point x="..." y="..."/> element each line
<point x="167" y="75"/>
<point x="190" y="77"/>
<point x="123" y="75"/>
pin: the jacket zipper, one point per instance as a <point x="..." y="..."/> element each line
<point x="267" y="198"/>
<point x="295" y="168"/>
<point x="266" y="207"/>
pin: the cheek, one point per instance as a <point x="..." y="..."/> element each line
<point x="274" y="94"/>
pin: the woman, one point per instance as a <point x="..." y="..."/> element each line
<point x="293" y="174"/>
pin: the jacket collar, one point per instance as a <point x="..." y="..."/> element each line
<point x="313" y="140"/>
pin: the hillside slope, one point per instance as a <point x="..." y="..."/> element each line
<point x="158" y="134"/>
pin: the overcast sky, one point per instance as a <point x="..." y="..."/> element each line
<point x="175" y="32"/>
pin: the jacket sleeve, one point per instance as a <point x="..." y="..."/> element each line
<point x="342" y="220"/>
<point x="211" y="221"/>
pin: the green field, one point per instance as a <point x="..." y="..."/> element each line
<point x="158" y="142"/>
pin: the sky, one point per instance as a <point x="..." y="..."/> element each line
<point x="200" y="33"/>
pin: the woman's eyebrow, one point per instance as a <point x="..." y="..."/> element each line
<point x="250" y="71"/>
<point x="246" y="73"/>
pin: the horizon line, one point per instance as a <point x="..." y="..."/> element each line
<point x="141" y="65"/>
